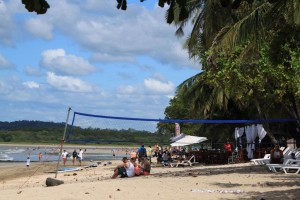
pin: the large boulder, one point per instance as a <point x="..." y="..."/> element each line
<point x="53" y="182"/>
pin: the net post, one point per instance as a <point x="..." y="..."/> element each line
<point x="62" y="141"/>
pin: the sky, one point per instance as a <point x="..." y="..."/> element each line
<point x="91" y="57"/>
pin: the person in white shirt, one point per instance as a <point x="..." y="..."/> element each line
<point x="125" y="169"/>
<point x="64" y="156"/>
<point x="28" y="162"/>
<point x="80" y="156"/>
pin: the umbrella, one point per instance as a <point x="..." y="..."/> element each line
<point x="188" y="140"/>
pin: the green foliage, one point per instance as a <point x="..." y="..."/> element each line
<point x="53" y="134"/>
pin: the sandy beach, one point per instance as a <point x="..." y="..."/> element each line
<point x="234" y="181"/>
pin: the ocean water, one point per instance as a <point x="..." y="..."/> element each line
<point x="20" y="153"/>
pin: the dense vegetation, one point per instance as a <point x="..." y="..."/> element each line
<point x="49" y="132"/>
<point x="250" y="56"/>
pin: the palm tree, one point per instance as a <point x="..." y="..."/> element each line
<point x="218" y="28"/>
<point x="259" y="25"/>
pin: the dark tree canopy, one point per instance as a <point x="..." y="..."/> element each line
<point x="38" y="6"/>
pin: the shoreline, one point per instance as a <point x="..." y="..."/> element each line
<point x="67" y="145"/>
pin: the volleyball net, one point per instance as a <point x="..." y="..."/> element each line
<point x="111" y="129"/>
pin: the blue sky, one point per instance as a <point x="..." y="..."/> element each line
<point x="91" y="57"/>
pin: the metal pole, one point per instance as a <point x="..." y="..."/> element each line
<point x="62" y="142"/>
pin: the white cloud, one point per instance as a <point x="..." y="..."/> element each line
<point x="32" y="71"/>
<point x="68" y="83"/>
<point x="7" y="25"/>
<point x="158" y="86"/>
<point x="104" y="57"/>
<point x="4" y="64"/>
<point x="111" y="34"/>
<point x="58" y="61"/>
<point x="31" y="84"/>
<point x="40" y="28"/>
<point x="126" y="89"/>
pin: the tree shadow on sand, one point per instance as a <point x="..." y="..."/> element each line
<point x="188" y="171"/>
<point x="274" y="185"/>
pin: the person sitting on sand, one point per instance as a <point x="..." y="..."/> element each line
<point x="125" y="169"/>
<point x="276" y="156"/>
<point x="136" y="166"/>
<point x="145" y="167"/>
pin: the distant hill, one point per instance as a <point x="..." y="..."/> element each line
<point x="24" y="124"/>
<point x="26" y="131"/>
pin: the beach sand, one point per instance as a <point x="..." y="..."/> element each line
<point x="234" y="181"/>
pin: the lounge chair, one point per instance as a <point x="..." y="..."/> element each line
<point x="235" y="157"/>
<point x="292" y="169"/>
<point x="286" y="163"/>
<point x="261" y="161"/>
<point x="189" y="162"/>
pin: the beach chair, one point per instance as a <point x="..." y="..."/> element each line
<point x="286" y="163"/>
<point x="291" y="169"/>
<point x="287" y="151"/>
<point x="234" y="157"/>
<point x="189" y="162"/>
<point x="261" y="161"/>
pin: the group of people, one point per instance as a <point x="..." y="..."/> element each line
<point x="75" y="156"/>
<point x="130" y="167"/>
<point x="276" y="154"/>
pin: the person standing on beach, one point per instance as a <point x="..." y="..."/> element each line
<point x="64" y="156"/>
<point x="227" y="147"/>
<point x="80" y="156"/>
<point x="74" y="156"/>
<point x="40" y="156"/>
<point x="149" y="153"/>
<point x="28" y="161"/>
<point x="141" y="153"/>
<point x="113" y="152"/>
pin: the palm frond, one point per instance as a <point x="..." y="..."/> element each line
<point x="252" y="27"/>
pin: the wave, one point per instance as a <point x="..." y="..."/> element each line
<point x="5" y="157"/>
<point x="13" y="151"/>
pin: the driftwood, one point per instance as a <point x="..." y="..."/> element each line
<point x="53" y="182"/>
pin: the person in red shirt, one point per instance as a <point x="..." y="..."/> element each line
<point x="227" y="147"/>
